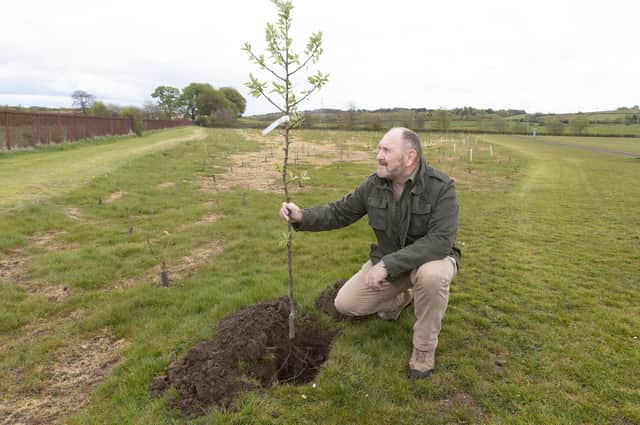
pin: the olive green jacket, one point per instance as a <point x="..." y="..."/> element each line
<point x="427" y="229"/>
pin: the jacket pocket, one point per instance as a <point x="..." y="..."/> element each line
<point x="420" y="214"/>
<point x="377" y="213"/>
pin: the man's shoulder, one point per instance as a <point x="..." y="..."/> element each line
<point x="373" y="180"/>
<point x="432" y="173"/>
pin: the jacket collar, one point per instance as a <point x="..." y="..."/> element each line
<point x="418" y="177"/>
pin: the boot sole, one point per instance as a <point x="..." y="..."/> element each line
<point x="418" y="374"/>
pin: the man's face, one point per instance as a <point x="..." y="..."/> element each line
<point x="391" y="157"/>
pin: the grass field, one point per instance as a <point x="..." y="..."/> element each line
<point x="543" y="324"/>
<point x="29" y="175"/>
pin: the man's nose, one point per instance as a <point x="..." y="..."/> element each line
<point x="379" y="155"/>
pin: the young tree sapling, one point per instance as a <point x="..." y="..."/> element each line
<point x="282" y="64"/>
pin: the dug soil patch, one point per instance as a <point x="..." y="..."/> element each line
<point x="251" y="350"/>
<point x="325" y="301"/>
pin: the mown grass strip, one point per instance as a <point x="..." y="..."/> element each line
<point x="49" y="171"/>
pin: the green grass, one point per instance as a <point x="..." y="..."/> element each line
<point x="628" y="145"/>
<point x="620" y="130"/>
<point x="49" y="171"/>
<point x="541" y="320"/>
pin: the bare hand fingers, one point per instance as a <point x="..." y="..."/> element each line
<point x="285" y="214"/>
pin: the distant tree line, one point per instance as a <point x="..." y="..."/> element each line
<point x="200" y="102"/>
<point x="506" y="121"/>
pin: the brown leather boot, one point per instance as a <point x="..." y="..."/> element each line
<point x="402" y="301"/>
<point x="421" y="364"/>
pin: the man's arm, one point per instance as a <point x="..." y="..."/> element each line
<point x="331" y="216"/>
<point x="438" y="241"/>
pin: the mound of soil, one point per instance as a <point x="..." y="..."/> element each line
<point x="325" y="301"/>
<point x="251" y="350"/>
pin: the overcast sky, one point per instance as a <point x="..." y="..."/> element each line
<point x="542" y="56"/>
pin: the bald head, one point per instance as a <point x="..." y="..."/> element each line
<point x="399" y="153"/>
<point x="410" y="140"/>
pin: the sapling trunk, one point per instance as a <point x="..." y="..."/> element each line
<point x="292" y="304"/>
<point x="287" y="198"/>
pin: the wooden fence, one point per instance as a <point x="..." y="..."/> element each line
<point x="26" y="129"/>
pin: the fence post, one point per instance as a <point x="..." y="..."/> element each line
<point x="59" y="126"/>
<point x="6" y="129"/>
<point x="37" y="125"/>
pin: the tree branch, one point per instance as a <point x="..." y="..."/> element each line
<point x="272" y="102"/>
<point x="305" y="96"/>
<point x="302" y="66"/>
<point x="261" y="63"/>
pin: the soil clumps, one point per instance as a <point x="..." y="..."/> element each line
<point x="325" y="301"/>
<point x="251" y="350"/>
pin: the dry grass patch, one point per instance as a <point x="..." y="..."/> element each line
<point x="54" y="293"/>
<point x="198" y="258"/>
<point x="459" y="402"/>
<point x="72" y="213"/>
<point x="115" y="196"/>
<point x="67" y="383"/>
<point x="256" y="170"/>
<point x="179" y="269"/>
<point x="12" y="265"/>
<point x="205" y="219"/>
<point x="165" y="185"/>
<point x="49" y="240"/>
<point x="39" y="329"/>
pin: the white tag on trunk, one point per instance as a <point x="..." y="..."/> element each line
<point x="282" y="119"/>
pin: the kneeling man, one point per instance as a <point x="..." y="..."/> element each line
<point x="413" y="211"/>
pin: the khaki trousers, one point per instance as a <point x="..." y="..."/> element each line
<point x="430" y="284"/>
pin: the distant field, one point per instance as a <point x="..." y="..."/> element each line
<point x="628" y="145"/>
<point x="633" y="129"/>
<point x="543" y="325"/>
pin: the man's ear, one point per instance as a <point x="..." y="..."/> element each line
<point x="411" y="155"/>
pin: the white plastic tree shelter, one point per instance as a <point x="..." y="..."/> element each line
<point x="282" y="119"/>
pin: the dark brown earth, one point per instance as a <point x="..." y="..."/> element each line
<point x="251" y="350"/>
<point x="325" y="301"/>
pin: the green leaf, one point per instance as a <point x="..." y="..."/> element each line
<point x="284" y="238"/>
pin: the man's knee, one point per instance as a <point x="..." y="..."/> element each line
<point x="343" y="304"/>
<point x="349" y="305"/>
<point x="434" y="275"/>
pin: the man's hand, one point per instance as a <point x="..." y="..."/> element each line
<point x="375" y="276"/>
<point x="290" y="212"/>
